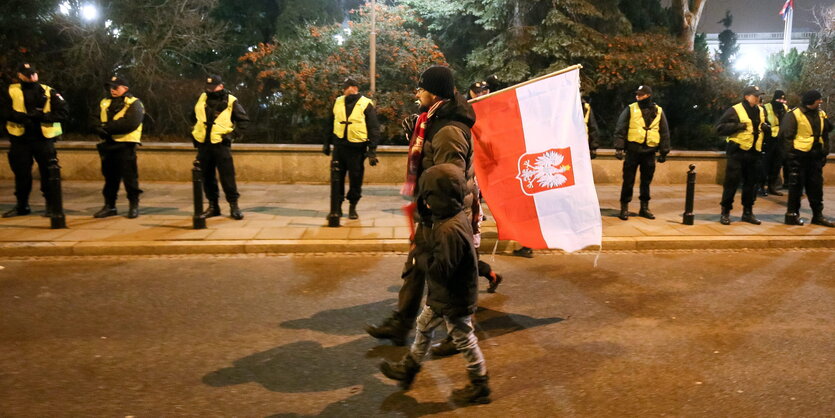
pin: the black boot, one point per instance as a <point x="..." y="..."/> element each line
<point x="725" y="218"/>
<point x="18" y="210"/>
<point x="109" y="209"/>
<point x="644" y="212"/>
<point x="624" y="211"/>
<point x="133" y="209"/>
<point x="393" y="328"/>
<point x="523" y="252"/>
<point x="212" y="210"/>
<point x="352" y="211"/>
<point x="445" y="348"/>
<point x="819" y="219"/>
<point x="235" y="211"/>
<point x="748" y="216"/>
<point x="495" y="280"/>
<point x="403" y="371"/>
<point x="476" y="392"/>
<point x="772" y="190"/>
<point x="793" y="218"/>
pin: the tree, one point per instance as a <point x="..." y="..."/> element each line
<point x="727" y="41"/>
<point x="300" y="77"/>
<point x="687" y="14"/>
<point x="820" y="65"/>
<point x="646" y="15"/>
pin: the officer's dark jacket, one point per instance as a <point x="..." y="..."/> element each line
<point x="216" y="102"/>
<point x="371" y="124"/>
<point x="129" y="122"/>
<point x="450" y="262"/>
<point x="788" y="131"/>
<point x="730" y="124"/>
<point x="34" y="97"/>
<point x="648" y="111"/>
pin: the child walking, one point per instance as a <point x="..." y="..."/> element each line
<point x="451" y="272"/>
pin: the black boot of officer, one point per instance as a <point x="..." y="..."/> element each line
<point x="212" y="210"/>
<point x="109" y="209"/>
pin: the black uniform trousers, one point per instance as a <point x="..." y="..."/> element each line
<point x="351" y="160"/>
<point x="772" y="162"/>
<point x="217" y="157"/>
<point x="118" y="164"/>
<point x="742" y="166"/>
<point x="805" y="173"/>
<point x="23" y="153"/>
<point x="634" y="160"/>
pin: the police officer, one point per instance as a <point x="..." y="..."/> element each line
<point x="355" y="135"/>
<point x="220" y="120"/>
<point x="33" y="114"/>
<point x="121" y="117"/>
<point x="641" y="131"/>
<point x="744" y="124"/>
<point x="805" y="131"/>
<point x="773" y="158"/>
<point x="591" y="128"/>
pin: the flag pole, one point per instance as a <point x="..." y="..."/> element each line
<point x="525" y="83"/>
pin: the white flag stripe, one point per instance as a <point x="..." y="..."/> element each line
<point x="552" y="117"/>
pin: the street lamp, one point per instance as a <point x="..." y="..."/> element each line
<point x="89" y="12"/>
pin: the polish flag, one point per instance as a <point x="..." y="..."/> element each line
<point x="786" y="8"/>
<point x="532" y="163"/>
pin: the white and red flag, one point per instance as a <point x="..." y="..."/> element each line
<point x="533" y="166"/>
<point x="787" y="8"/>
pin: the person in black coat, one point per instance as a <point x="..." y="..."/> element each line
<point x="451" y="273"/>
<point x="805" y="132"/>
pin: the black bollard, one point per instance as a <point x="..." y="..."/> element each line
<point x="55" y="203"/>
<point x="688" y="216"/>
<point x="336" y="197"/>
<point x="198" y="221"/>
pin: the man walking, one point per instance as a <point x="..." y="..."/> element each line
<point x="443" y="131"/>
<point x="744" y="125"/>
<point x="220" y="120"/>
<point x="121" y="117"/>
<point x="805" y="131"/>
<point x="641" y="132"/>
<point x="33" y="113"/>
<point x="356" y="134"/>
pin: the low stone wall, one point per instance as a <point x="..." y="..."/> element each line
<point x="280" y="163"/>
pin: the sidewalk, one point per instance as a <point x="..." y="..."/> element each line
<point x="290" y="218"/>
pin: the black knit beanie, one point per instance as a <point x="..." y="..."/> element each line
<point x="779" y="94"/>
<point x="810" y="97"/>
<point x="439" y="81"/>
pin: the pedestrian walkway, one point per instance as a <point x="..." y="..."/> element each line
<point x="289" y="218"/>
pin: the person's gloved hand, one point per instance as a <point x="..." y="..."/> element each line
<point x="765" y="126"/>
<point x="408" y="125"/>
<point x="662" y="158"/>
<point x="372" y="157"/>
<point x="101" y="132"/>
<point x="35" y="115"/>
<point x="619" y="154"/>
<point x="593" y="153"/>
<point x="18" y="117"/>
<point x="741" y="126"/>
<point x="326" y="149"/>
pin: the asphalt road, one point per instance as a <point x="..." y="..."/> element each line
<point x="748" y="333"/>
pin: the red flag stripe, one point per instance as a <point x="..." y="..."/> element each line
<point x="497" y="134"/>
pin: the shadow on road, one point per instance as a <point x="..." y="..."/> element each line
<point x="308" y="366"/>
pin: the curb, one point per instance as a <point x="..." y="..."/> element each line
<point x="116" y="248"/>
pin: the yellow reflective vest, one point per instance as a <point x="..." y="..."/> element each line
<point x="134" y="136"/>
<point x="357" y="131"/>
<point x="222" y="124"/>
<point x="586" y="108"/>
<point x="639" y="132"/>
<point x="772" y="117"/>
<point x="49" y="130"/>
<point x="745" y="137"/>
<point x="805" y="137"/>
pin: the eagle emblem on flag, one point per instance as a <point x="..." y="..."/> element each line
<point x="545" y="171"/>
